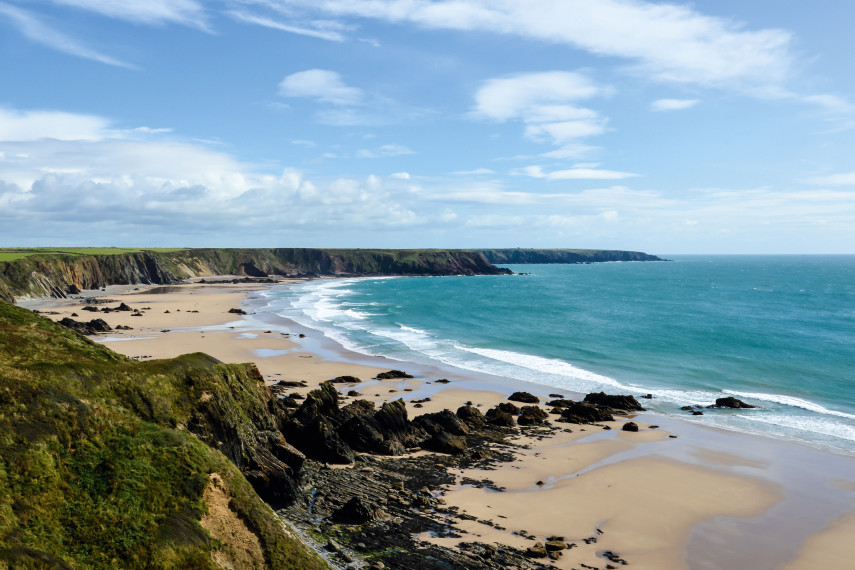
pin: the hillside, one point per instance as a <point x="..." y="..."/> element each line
<point x="107" y="462"/>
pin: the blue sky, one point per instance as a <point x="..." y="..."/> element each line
<point x="710" y="127"/>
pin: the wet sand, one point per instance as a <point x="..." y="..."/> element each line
<point x="704" y="499"/>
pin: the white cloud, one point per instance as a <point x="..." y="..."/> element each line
<point x="527" y="95"/>
<point x="565" y="131"/>
<point x="673" y="104"/>
<point x="321" y="84"/>
<point x="578" y="172"/>
<point x="475" y="172"/>
<point x="330" y="35"/>
<point x="37" y="125"/>
<point x="186" y="12"/>
<point x="831" y="103"/>
<point x="35" y="30"/>
<point x="544" y="102"/>
<point x="401" y="175"/>
<point x="842" y="179"/>
<point x="664" y="41"/>
<point x="385" y="151"/>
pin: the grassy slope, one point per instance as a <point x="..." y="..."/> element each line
<point x="10" y="254"/>
<point x="93" y="473"/>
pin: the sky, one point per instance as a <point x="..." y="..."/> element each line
<point x="708" y="127"/>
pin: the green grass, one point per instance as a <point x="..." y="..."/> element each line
<point x="11" y="254"/>
<point x="96" y="470"/>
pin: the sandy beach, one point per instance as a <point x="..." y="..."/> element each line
<point x="671" y="496"/>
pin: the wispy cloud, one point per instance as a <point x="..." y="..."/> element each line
<point x="842" y="179"/>
<point x="331" y="35"/>
<point x="579" y="172"/>
<point x="321" y="84"/>
<point x="38" y="125"/>
<point x="545" y="102"/>
<point x="149" y="12"/>
<point x="385" y="151"/>
<point x="665" y="42"/>
<point x="673" y="104"/>
<point x="37" y="31"/>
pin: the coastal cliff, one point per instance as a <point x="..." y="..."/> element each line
<point x="57" y="275"/>
<point x="523" y="256"/>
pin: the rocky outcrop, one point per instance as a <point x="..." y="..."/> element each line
<point x="94" y="326"/>
<point x="583" y="413"/>
<point x="523" y="256"/>
<point x="615" y="402"/>
<point x="731" y="402"/>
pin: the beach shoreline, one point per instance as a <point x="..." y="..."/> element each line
<point x="704" y="499"/>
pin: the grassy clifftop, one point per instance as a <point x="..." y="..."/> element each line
<point x="99" y="469"/>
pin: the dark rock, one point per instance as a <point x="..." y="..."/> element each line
<point x="509" y="408"/>
<point x="686" y="408"/>
<point x="443" y="381"/>
<point x="583" y="413"/>
<point x="237" y="311"/>
<point x="471" y="415"/>
<point x="345" y="380"/>
<point x="90" y="308"/>
<point x="73" y="289"/>
<point x="94" y="326"/>
<point x="630" y="426"/>
<point x="393" y="374"/>
<point x="648" y="396"/>
<point x="123" y="307"/>
<point x="536" y="551"/>
<point x="524" y="397"/>
<point x="441" y="421"/>
<point x="444" y="442"/>
<point x="532" y="415"/>
<point x="697" y="413"/>
<point x="353" y="393"/>
<point x="356" y="511"/>
<point x="731" y="402"/>
<point x="497" y="417"/>
<point x="628" y="403"/>
<point x="560" y="403"/>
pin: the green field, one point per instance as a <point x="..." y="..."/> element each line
<point x="13" y="253"/>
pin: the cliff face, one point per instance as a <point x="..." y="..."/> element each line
<point x="522" y="256"/>
<point x="57" y="275"/>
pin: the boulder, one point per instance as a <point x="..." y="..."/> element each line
<point x="562" y="403"/>
<point x="509" y="408"/>
<point x="73" y="289"/>
<point x="731" y="402"/>
<point x="583" y="413"/>
<point x="237" y="311"/>
<point x="629" y="426"/>
<point x="345" y="380"/>
<point x="393" y="374"/>
<point x="532" y="415"/>
<point x="356" y="511"/>
<point x="445" y="442"/>
<point x="524" y="397"/>
<point x="471" y="415"/>
<point x="615" y="402"/>
<point x="94" y="326"/>
<point x="498" y="417"/>
<point x="441" y="421"/>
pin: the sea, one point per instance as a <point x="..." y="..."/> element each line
<point x="777" y="332"/>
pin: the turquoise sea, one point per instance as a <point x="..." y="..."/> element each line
<point x="775" y="331"/>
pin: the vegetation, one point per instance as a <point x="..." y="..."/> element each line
<point x="96" y="468"/>
<point x="10" y="254"/>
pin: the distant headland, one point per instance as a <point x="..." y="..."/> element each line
<point x="59" y="272"/>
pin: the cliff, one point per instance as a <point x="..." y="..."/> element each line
<point x="108" y="462"/>
<point x="523" y="256"/>
<point x="57" y="275"/>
